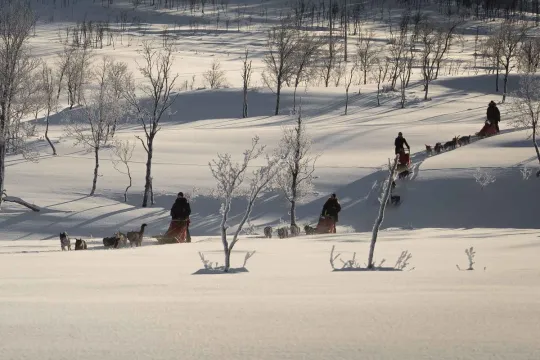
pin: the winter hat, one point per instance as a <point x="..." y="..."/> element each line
<point x="181" y="194"/>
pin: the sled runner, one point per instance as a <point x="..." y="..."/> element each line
<point x="326" y="225"/>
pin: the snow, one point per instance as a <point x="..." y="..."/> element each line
<point x="147" y="303"/>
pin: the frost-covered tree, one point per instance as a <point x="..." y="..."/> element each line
<point x="296" y="174"/>
<point x="215" y="76"/>
<point x="157" y="71"/>
<point x="119" y="79"/>
<point x="123" y="152"/>
<point x="366" y="52"/>
<point x="382" y="208"/>
<point x="508" y="37"/>
<point x="280" y="60"/>
<point x="100" y="110"/>
<point x="306" y="53"/>
<point x="526" y="108"/>
<point x="16" y="68"/>
<point x="49" y="87"/>
<point x="379" y="71"/>
<point x="349" y="77"/>
<point x="230" y="177"/>
<point x="529" y="55"/>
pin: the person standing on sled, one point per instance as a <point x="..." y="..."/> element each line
<point x="331" y="209"/>
<point x="399" y="142"/>
<point x="180" y="212"/>
<point x="493" y="115"/>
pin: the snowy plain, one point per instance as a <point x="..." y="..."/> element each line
<point x="145" y="303"/>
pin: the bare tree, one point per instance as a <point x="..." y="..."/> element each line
<point x="366" y="52"/>
<point x="307" y="49"/>
<point x="280" y="60"/>
<point x="246" y="79"/>
<point x="384" y="202"/>
<point x="215" y="76"/>
<point x="493" y="51"/>
<point x="529" y="55"/>
<point x="430" y="39"/>
<point x="446" y="35"/>
<point x="91" y="129"/>
<point x="157" y="71"/>
<point x="119" y="79"/>
<point x="349" y="79"/>
<point x="379" y="73"/>
<point x="510" y="37"/>
<point x="49" y="85"/>
<point x="296" y="175"/>
<point x="398" y="49"/>
<point x="230" y="176"/>
<point x="77" y="74"/>
<point x="526" y="108"/>
<point x="16" y="66"/>
<point x="403" y="81"/>
<point x="123" y="152"/>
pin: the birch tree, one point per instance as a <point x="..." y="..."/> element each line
<point x="99" y="112"/>
<point x="349" y="79"/>
<point x="157" y="72"/>
<point x="366" y="52"/>
<point x="295" y="179"/>
<point x="529" y="55"/>
<point x="246" y="80"/>
<point x="509" y="38"/>
<point x="49" y="83"/>
<point x="215" y="76"/>
<point x="123" y="152"/>
<point x="16" y="66"/>
<point x="526" y="108"/>
<point x="307" y="50"/>
<point x="230" y="177"/>
<point x="379" y="73"/>
<point x="280" y="60"/>
<point x="378" y="222"/>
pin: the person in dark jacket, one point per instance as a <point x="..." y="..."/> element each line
<point x="332" y="208"/>
<point x="181" y="210"/>
<point x="399" y="142"/>
<point x="493" y="115"/>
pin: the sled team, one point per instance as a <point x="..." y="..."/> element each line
<point x="178" y="231"/>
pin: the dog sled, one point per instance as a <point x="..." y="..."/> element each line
<point x="177" y="233"/>
<point x="404" y="163"/>
<point x="326" y="225"/>
<point x="489" y="129"/>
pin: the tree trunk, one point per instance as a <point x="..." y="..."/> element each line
<point x="2" y="165"/>
<point x="507" y="70"/>
<point x="278" y="94"/>
<point x="380" y="218"/>
<point x="365" y="76"/>
<point x="130" y="183"/>
<point x="21" y="202"/>
<point x="47" y="133"/>
<point x="346" y="100"/>
<point x="378" y="93"/>
<point x="245" y="104"/>
<point x="535" y="144"/>
<point x="497" y="79"/>
<point x="426" y="88"/>
<point x="223" y="227"/>
<point x="94" y="182"/>
<point x="148" y="177"/>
